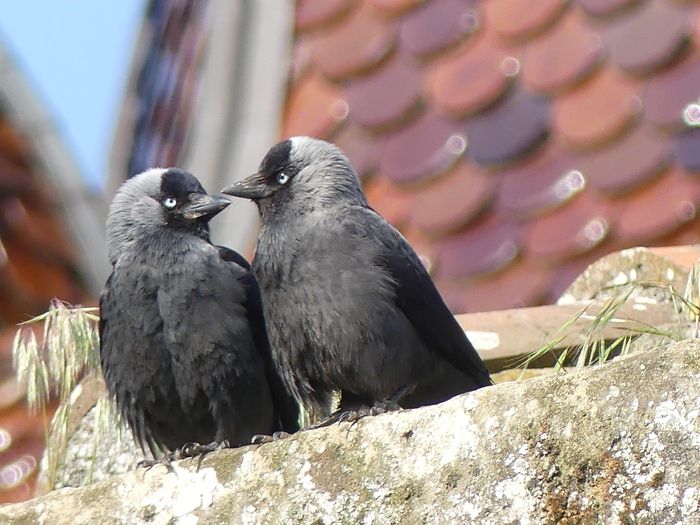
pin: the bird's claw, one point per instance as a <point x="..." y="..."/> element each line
<point x="261" y="439"/>
<point x="195" y="450"/>
<point x="188" y="450"/>
<point x="353" y="416"/>
<point x="191" y="450"/>
<point x="166" y="460"/>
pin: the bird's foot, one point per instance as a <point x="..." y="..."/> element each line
<point x="193" y="450"/>
<point x="354" y="415"/>
<point x="358" y="411"/>
<point x="400" y="394"/>
<point x="380" y="407"/>
<point x="188" y="450"/>
<point x="165" y="460"/>
<point x="261" y="439"/>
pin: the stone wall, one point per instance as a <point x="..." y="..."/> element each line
<point x="618" y="443"/>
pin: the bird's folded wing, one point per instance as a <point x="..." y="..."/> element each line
<point x="420" y="301"/>
<point x="286" y="407"/>
<point x="115" y="334"/>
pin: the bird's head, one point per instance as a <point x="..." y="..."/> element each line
<point x="300" y="174"/>
<point x="158" y="200"/>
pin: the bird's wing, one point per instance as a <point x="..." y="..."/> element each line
<point x="418" y="298"/>
<point x="286" y="408"/>
<point x="111" y="333"/>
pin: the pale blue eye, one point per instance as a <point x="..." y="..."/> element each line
<point x="282" y="178"/>
<point x="170" y="203"/>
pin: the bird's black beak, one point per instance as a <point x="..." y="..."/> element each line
<point x="254" y="187"/>
<point x="203" y="206"/>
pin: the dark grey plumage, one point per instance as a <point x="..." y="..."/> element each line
<point x="183" y="343"/>
<point x="348" y="304"/>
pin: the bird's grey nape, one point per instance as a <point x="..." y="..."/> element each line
<point x="325" y="172"/>
<point x="134" y="209"/>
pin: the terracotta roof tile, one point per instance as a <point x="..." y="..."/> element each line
<point x="363" y="148"/>
<point x="388" y="200"/>
<point x="35" y="226"/>
<point x="385" y="98"/>
<point x="522" y="284"/>
<point x="509" y="129"/>
<point x="13" y="179"/>
<point x="487" y="246"/>
<point x="597" y="111"/>
<point x="671" y="90"/>
<point x="38" y="274"/>
<point x="514" y="19"/>
<point x="565" y="272"/>
<point x="354" y="46"/>
<point x="687" y="146"/>
<point x="571" y="230"/>
<point x="564" y="55"/>
<point x="316" y="108"/>
<point x="659" y="208"/>
<point x="544" y="181"/>
<point x="454" y="199"/>
<point x="604" y="7"/>
<point x="22" y="302"/>
<point x="19" y="463"/>
<point x="649" y="37"/>
<point x="629" y="162"/>
<point x="301" y="60"/>
<point x="437" y="26"/>
<point x="539" y="137"/>
<point x="36" y="256"/>
<point x="37" y="263"/>
<point x="14" y="148"/>
<point x="395" y="7"/>
<point x="680" y="237"/>
<point x="480" y="67"/>
<point x="14" y="422"/>
<point x="312" y="13"/>
<point x="452" y="293"/>
<point x="424" y="148"/>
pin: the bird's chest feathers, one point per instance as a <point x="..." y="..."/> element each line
<point x="166" y="283"/>
<point x="277" y="262"/>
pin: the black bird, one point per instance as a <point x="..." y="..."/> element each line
<point x="348" y="304"/>
<point x="183" y="343"/>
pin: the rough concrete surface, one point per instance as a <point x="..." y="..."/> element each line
<point x="604" y="277"/>
<point x="614" y="444"/>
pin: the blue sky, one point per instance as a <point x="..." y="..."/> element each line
<point x="76" y="54"/>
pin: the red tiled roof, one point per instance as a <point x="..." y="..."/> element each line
<point x="512" y="142"/>
<point x="37" y="263"/>
<point x="36" y="256"/>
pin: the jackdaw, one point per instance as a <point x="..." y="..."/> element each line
<point x="183" y="343"/>
<point x="349" y="306"/>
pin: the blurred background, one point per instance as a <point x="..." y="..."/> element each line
<point x="513" y="142"/>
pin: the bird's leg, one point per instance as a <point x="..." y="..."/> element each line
<point x="260" y="439"/>
<point x="352" y="408"/>
<point x="191" y="450"/>
<point x="148" y="464"/>
<point x="188" y="450"/>
<point x="391" y="403"/>
<point x="165" y="460"/>
<point x="199" y="451"/>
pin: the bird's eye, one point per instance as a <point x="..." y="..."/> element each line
<point x="170" y="202"/>
<point x="282" y="178"/>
